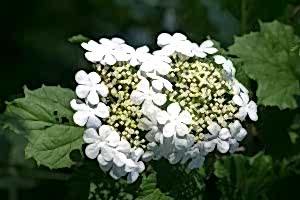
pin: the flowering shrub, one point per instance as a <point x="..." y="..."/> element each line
<point x="178" y="103"/>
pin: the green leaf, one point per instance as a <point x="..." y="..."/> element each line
<point x="78" y="39"/>
<point x="149" y="190"/>
<point x="267" y="59"/>
<point x="242" y="177"/>
<point x="44" y="116"/>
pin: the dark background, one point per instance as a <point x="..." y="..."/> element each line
<point x="36" y="51"/>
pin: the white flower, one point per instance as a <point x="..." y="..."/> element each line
<point x="174" y="121"/>
<point x="176" y="43"/>
<point x="238" y="134"/>
<point x="89" y="87"/>
<point x="96" y="141"/>
<point x="153" y="152"/>
<point x="197" y="155"/>
<point x="87" y="115"/>
<point x="133" y="166"/>
<point x="219" y="137"/>
<point x="246" y="107"/>
<point x="145" y="93"/>
<point x="226" y="64"/>
<point x="139" y="55"/>
<point x="107" y="52"/>
<point x="95" y="52"/>
<point x="149" y="123"/>
<point x="157" y="63"/>
<point x="205" y="48"/>
<point x="159" y="83"/>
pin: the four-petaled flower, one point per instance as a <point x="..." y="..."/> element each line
<point x="219" y="137"/>
<point x="203" y="49"/>
<point x="246" y="107"/>
<point x="134" y="166"/>
<point x="139" y="55"/>
<point x="238" y="134"/>
<point x="88" y="115"/>
<point x="174" y="121"/>
<point x="90" y="87"/>
<point x="145" y="93"/>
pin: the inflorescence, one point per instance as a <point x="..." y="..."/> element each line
<point x="179" y="103"/>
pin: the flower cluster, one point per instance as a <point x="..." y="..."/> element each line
<point x="179" y="103"/>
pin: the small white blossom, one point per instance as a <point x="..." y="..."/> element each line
<point x="176" y="43"/>
<point x="156" y="64"/>
<point x="237" y="87"/>
<point x="159" y="82"/>
<point x="246" y="107"/>
<point x="89" y="87"/>
<point x="203" y="49"/>
<point x="139" y="55"/>
<point x="88" y="115"/>
<point x="134" y="166"/>
<point x="145" y="93"/>
<point x="238" y="134"/>
<point x="174" y="121"/>
<point x="219" y="137"/>
<point x="95" y="50"/>
<point x="226" y="64"/>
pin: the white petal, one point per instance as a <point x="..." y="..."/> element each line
<point x="104" y="165"/>
<point x="145" y="124"/>
<point x="222" y="146"/>
<point x="130" y="165"/>
<point x="233" y="145"/>
<point x="168" y="85"/>
<point x="104" y="132"/>
<point x="163" y="68"/>
<point x="90" y="135"/>
<point x="94" y="56"/>
<point x="102" y="89"/>
<point x="81" y="77"/>
<point x="235" y="127"/>
<point x="143" y="49"/>
<point x="162" y="117"/>
<point x="109" y="59"/>
<point x="80" y="118"/>
<point x="211" y="50"/>
<point x="92" y="150"/>
<point x="185" y="117"/>
<point x="175" y="158"/>
<point x="209" y="146"/>
<point x="164" y="39"/>
<point x="113" y="139"/>
<point x="117" y="172"/>
<point x="82" y="91"/>
<point x="169" y="130"/>
<point x="174" y="109"/>
<point x="107" y="153"/>
<point x="93" y="97"/>
<point x="245" y="97"/>
<point x="157" y="84"/>
<point x="181" y="129"/>
<point x="101" y="110"/>
<point x="138" y="153"/>
<point x="94" y="77"/>
<point x="117" y="40"/>
<point x="119" y="159"/>
<point x="91" y="45"/>
<point x="241" y="135"/>
<point x="159" y="99"/>
<point x="93" y="122"/>
<point x="224" y="134"/>
<point x="141" y="166"/>
<point x="78" y="105"/>
<point x="137" y="97"/>
<point x="179" y="36"/>
<point x="252" y="110"/>
<point x="214" y="128"/>
<point x="219" y="59"/>
<point x="238" y="100"/>
<point x="132" y="176"/>
<point x="123" y="146"/>
<point x="242" y="114"/>
<point x="196" y="162"/>
<point x="180" y="143"/>
<point x="207" y="44"/>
